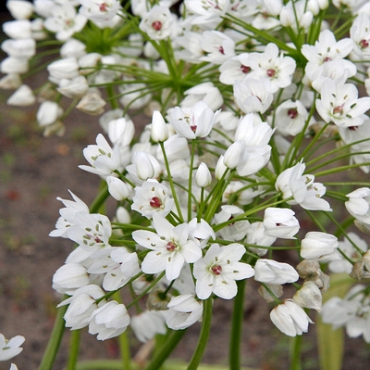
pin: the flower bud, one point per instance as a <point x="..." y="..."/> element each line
<point x="10" y="81"/>
<point x="144" y="166"/>
<point x="309" y="296"/>
<point x="13" y="65"/>
<point x="273" y="272"/>
<point x="318" y="244"/>
<point x="20" y="9"/>
<point x="75" y="88"/>
<point x="203" y="177"/>
<point x="62" y="68"/>
<point x="123" y="215"/>
<point x="19" y="29"/>
<point x="117" y="188"/>
<point x="70" y="277"/>
<point x="92" y="103"/>
<point x="48" y="113"/>
<point x="220" y="168"/>
<point x="23" y="96"/>
<point x="121" y="130"/>
<point x="233" y="154"/>
<point x="159" y="131"/>
<point x="280" y="223"/>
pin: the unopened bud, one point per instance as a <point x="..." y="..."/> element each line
<point x="159" y="131"/>
<point x="309" y="296"/>
<point x="203" y="177"/>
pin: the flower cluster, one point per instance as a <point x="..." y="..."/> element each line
<point x="241" y="98"/>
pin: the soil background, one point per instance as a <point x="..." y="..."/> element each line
<point x="34" y="171"/>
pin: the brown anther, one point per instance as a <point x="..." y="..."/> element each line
<point x="245" y="69"/>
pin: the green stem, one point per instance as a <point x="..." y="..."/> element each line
<point x="204" y="335"/>
<point x="74" y="349"/>
<point x="100" y="199"/>
<point x="54" y="341"/>
<point x="237" y="327"/>
<point x="295" y="353"/>
<point x="169" y="345"/>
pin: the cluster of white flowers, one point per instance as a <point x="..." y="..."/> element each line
<point x="241" y="95"/>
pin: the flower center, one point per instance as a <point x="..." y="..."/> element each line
<point x="171" y="246"/>
<point x="155" y="202"/>
<point x="157" y="25"/>
<point x="327" y="59"/>
<point x="338" y="109"/>
<point x="245" y="69"/>
<point x="364" y="44"/>
<point x="221" y="50"/>
<point x="193" y="128"/>
<point x="353" y="128"/>
<point x="292" y="113"/>
<point x="271" y="72"/>
<point x="217" y="269"/>
<point x="103" y="7"/>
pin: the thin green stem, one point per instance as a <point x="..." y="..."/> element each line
<point x="204" y="334"/>
<point x="74" y="349"/>
<point x="295" y="353"/>
<point x="54" y="341"/>
<point x="172" y="341"/>
<point x="237" y="326"/>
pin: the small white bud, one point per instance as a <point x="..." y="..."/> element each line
<point x="144" y="167"/>
<point x="117" y="188"/>
<point x="159" y="131"/>
<point x="22" y="97"/>
<point x="233" y="154"/>
<point x="203" y="177"/>
<point x="220" y="168"/>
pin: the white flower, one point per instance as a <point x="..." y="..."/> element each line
<point x="318" y="244"/>
<point x="206" y="92"/>
<point x="184" y="311"/>
<point x="68" y="215"/>
<point x="360" y="34"/>
<point x="48" y="113"/>
<point x="353" y="312"/>
<point x="280" y="223"/>
<point x="253" y="96"/>
<point x="10" y="348"/>
<point x="121" y="131"/>
<point x="13" y="65"/>
<point x="92" y="103"/>
<point x="218" y="47"/>
<point x="118" y="189"/>
<point x="101" y="12"/>
<point x="290" y="117"/>
<point x="341" y="105"/>
<point x="103" y="159"/>
<point x="170" y="248"/>
<point x="10" y="81"/>
<point x="217" y="271"/>
<point x="358" y="204"/>
<point x="236" y="68"/>
<point x="278" y="69"/>
<point x="70" y="277"/>
<point x="64" y="21"/>
<point x="19" y="48"/>
<point x="296" y="15"/>
<point x="159" y="130"/>
<point x="273" y="272"/>
<point x="23" y="96"/>
<point x="109" y="320"/>
<point x="256" y="235"/>
<point x="90" y="231"/>
<point x="81" y="305"/>
<point x="74" y="88"/>
<point x="290" y="318"/>
<point x="147" y="324"/>
<point x="203" y="177"/>
<point x="19" y="29"/>
<point x="193" y="122"/>
<point x="157" y="23"/>
<point x="66" y="68"/>
<point x="151" y="198"/>
<point x="20" y="9"/>
<point x="309" y="296"/>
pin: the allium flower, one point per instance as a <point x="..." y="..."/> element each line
<point x="280" y="223"/>
<point x="206" y="92"/>
<point x="235" y="69"/>
<point x="290" y="318"/>
<point x="10" y="348"/>
<point x="358" y="204"/>
<point x="217" y="271"/>
<point x="70" y="277"/>
<point x="193" y="122"/>
<point x="318" y="244"/>
<point x="152" y="198"/>
<point x="109" y="320"/>
<point x="273" y="272"/>
<point x="290" y="117"/>
<point x="103" y="159"/>
<point x="157" y="23"/>
<point x="81" y="305"/>
<point x="184" y="311"/>
<point x="341" y="105"/>
<point x="353" y="312"/>
<point x="64" y="21"/>
<point x="101" y="12"/>
<point x="170" y="248"/>
<point x="218" y="47"/>
<point x="147" y="324"/>
<point x="309" y="296"/>
<point x="253" y="96"/>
